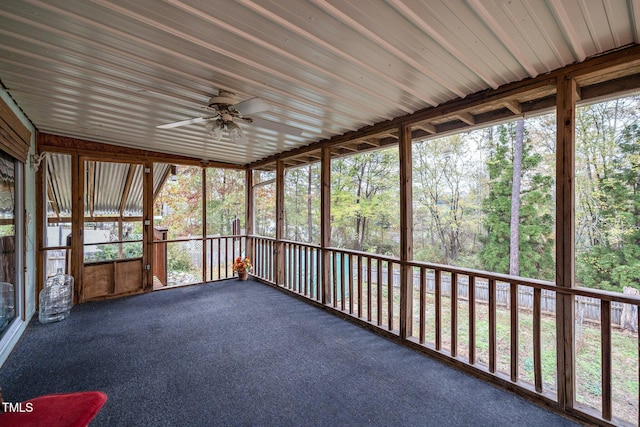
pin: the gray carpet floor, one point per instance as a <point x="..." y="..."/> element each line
<point x="243" y="353"/>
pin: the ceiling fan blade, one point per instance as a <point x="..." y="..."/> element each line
<point x="276" y="127"/>
<point x="252" y="106"/>
<point x="183" y="123"/>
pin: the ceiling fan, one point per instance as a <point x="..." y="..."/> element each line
<point x="227" y="112"/>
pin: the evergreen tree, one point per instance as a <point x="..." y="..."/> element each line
<point x="536" y="219"/>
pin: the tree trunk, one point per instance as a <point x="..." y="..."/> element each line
<point x="514" y="251"/>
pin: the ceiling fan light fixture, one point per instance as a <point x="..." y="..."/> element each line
<point x="215" y="129"/>
<point x="235" y="133"/>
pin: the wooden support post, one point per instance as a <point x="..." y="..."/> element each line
<point x="537" y="338"/>
<point x="279" y="245"/>
<point x="41" y="223"/>
<point x="248" y="215"/>
<point x="565" y="225"/>
<point x="204" y="226"/>
<point x="472" y="320"/>
<point x="325" y="223"/>
<point x="77" y="223"/>
<point x="406" y="233"/>
<point x="147" y="215"/>
<point x="514" y="330"/>
<point x="492" y="326"/>
<point x="605" y="354"/>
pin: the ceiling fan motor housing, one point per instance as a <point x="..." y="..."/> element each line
<point x="224" y="98"/>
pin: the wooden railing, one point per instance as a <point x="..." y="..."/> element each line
<point x="481" y="320"/>
<point x="302" y="272"/>
<point x="209" y="259"/>
<point x="362" y="285"/>
<point x="221" y="252"/>
<point x="264" y="254"/>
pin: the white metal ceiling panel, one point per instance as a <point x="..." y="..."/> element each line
<point x="111" y="70"/>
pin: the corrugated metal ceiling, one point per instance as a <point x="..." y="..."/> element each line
<point x="111" y="70"/>
<point x="111" y="189"/>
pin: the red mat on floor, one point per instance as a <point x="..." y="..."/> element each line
<point x="69" y="410"/>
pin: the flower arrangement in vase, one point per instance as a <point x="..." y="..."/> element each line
<point x="242" y="266"/>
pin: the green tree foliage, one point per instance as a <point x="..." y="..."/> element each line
<point x="110" y="252"/>
<point x="364" y="202"/>
<point x="178" y="260"/>
<point x="535" y="239"/>
<point x="609" y="233"/>
<point x="446" y="205"/>
<point x="302" y="204"/>
<point x="179" y="204"/>
<point x="265" y="203"/>
<point x="225" y="201"/>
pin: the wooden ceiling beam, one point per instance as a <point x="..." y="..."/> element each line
<point x="514" y="106"/>
<point x="52" y="199"/>
<point x="63" y="144"/>
<point x="352" y="148"/>
<point x="466" y="118"/>
<point x="389" y="135"/>
<point x="91" y="179"/>
<point x="427" y="127"/>
<point x="371" y="142"/>
<point x="127" y="187"/>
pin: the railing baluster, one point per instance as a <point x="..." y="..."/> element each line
<point x="334" y="274"/>
<point x="359" y="286"/>
<point x="263" y="260"/>
<point x="454" y="314"/>
<point x="423" y="304"/>
<point x="342" y="281"/>
<point x="472" y="319"/>
<point x="605" y="339"/>
<point x="273" y="262"/>
<point x="350" y="258"/>
<point x="513" y="294"/>
<point x="211" y="259"/>
<point x="537" y="338"/>
<point x="390" y="294"/>
<point x="319" y="275"/>
<point x="492" y="325"/>
<point x="379" y="288"/>
<point x="438" y="309"/>
<point x="295" y="268"/>
<point x="289" y="266"/>
<point x="298" y="277"/>
<point x="369" y="297"/>
<point x="226" y="253"/>
<point x="305" y="271"/>
<point x="219" y="260"/>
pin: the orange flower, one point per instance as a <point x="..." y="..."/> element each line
<point x="242" y="264"/>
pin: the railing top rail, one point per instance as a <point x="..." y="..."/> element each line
<point x="253" y="236"/>
<point x="603" y="295"/>
<point x="365" y="254"/>
<point x="195" y="239"/>
<point x="230" y="236"/>
<point x="55" y="248"/>
<point x="113" y="242"/>
<point x="308" y="245"/>
<point x="500" y="277"/>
